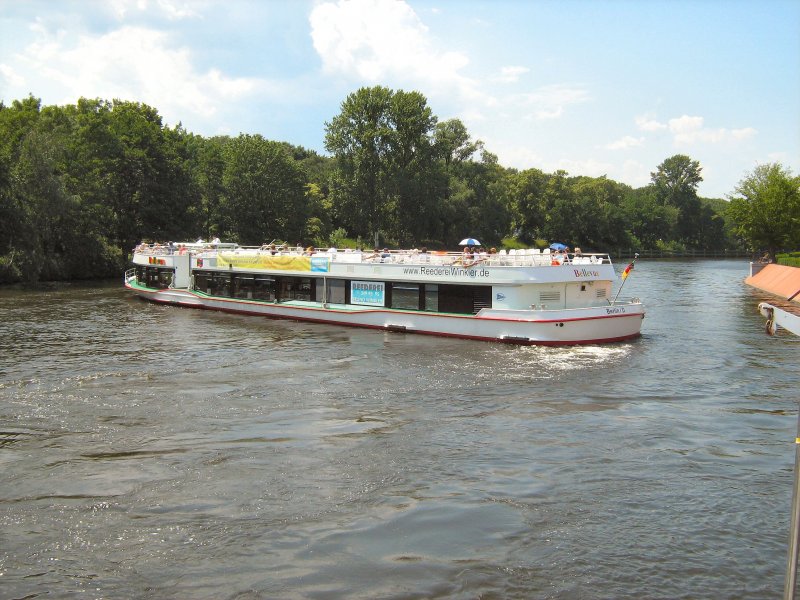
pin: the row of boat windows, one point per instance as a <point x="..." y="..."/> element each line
<point x="464" y="299"/>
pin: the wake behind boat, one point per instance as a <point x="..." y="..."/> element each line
<point x="524" y="296"/>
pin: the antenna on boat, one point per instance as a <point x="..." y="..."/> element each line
<point x="624" y="276"/>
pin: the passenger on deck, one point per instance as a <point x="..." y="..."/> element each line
<point x="375" y="255"/>
<point x="466" y="257"/>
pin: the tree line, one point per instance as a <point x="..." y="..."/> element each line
<point x="81" y="184"/>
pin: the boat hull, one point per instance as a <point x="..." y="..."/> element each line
<point x="594" y="325"/>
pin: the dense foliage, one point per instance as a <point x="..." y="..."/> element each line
<point x="766" y="208"/>
<point x="81" y="184"/>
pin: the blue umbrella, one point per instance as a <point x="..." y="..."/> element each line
<point x="557" y="246"/>
<point x="469" y="242"/>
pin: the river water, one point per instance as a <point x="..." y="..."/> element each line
<point x="150" y="451"/>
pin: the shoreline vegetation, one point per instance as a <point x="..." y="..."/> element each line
<point x="82" y="184"/>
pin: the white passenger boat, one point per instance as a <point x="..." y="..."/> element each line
<point x="521" y="297"/>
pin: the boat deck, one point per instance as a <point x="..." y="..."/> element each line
<point x="524" y="257"/>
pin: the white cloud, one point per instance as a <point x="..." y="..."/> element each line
<point x="635" y="173"/>
<point x="11" y="77"/>
<point x="625" y="142"/>
<point x="646" y="123"/>
<point x="511" y="74"/>
<point x="690" y="130"/>
<point x="130" y="63"/>
<point x="518" y="157"/>
<point x="590" y="166"/>
<point x="375" y="40"/>
<point x="168" y="8"/>
<point x="743" y="134"/>
<point x="549" y="102"/>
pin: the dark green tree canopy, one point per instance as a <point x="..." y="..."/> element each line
<point x="81" y="184"/>
<point x="765" y="208"/>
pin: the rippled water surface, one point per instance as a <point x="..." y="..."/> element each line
<point x="150" y="451"/>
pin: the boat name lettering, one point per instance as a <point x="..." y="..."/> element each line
<point x="586" y="273"/>
<point x="447" y="272"/>
<point x="616" y="310"/>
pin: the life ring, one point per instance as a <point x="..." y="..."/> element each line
<point x="554" y="263"/>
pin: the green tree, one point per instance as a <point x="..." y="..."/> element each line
<point x="264" y="191"/>
<point x="415" y="180"/>
<point x="765" y="207"/>
<point x="359" y="138"/>
<point x="675" y="182"/>
<point x="478" y="205"/>
<point x="453" y="143"/>
<point x="206" y="165"/>
<point x="527" y="190"/>
<point x="387" y="175"/>
<point x="16" y="226"/>
<point x="595" y="221"/>
<point x="649" y="222"/>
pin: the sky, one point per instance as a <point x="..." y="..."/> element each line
<point x="591" y="87"/>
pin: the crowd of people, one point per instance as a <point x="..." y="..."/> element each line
<point x="470" y="256"/>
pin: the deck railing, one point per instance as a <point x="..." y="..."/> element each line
<point x="511" y="258"/>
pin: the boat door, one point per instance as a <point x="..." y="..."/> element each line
<point x="183" y="270"/>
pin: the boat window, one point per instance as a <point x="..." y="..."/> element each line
<point x="165" y="278"/>
<point x="336" y="290"/>
<point x="154" y="277"/>
<point x="405" y="295"/>
<point x="264" y="288"/>
<point x="295" y="288"/>
<point x="464" y="299"/>
<point x="201" y="282"/>
<point x="220" y="284"/>
<point x="243" y="286"/>
<point x="431" y="297"/>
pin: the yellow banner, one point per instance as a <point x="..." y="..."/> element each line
<point x="264" y="261"/>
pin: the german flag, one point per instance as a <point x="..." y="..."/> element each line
<point x="626" y="272"/>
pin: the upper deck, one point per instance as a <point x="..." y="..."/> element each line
<point x="512" y="267"/>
